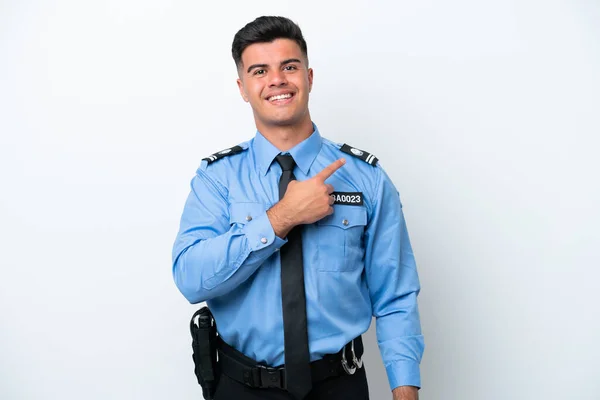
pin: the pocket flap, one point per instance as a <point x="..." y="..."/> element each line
<point x="242" y="213"/>
<point x="345" y="217"/>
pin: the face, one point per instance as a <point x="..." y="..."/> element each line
<point x="275" y="80"/>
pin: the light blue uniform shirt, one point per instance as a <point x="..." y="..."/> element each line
<point x="358" y="262"/>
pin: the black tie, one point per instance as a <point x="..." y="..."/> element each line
<point x="293" y="300"/>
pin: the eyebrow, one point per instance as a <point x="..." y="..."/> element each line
<point x="284" y="62"/>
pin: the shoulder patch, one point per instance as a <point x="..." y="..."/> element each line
<point x="223" y="153"/>
<point x="363" y="155"/>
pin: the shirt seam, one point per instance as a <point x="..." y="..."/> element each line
<point x="216" y="184"/>
<point x="400" y="337"/>
<point x="374" y="199"/>
<point x="402" y="360"/>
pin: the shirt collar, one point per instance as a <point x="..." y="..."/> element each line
<point x="304" y="153"/>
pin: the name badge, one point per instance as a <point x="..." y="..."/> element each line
<point x="348" y="198"/>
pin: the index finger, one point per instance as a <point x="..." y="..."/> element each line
<point x="330" y="169"/>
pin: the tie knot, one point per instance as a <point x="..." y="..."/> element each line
<point x="286" y="161"/>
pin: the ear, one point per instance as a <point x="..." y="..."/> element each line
<point x="242" y="91"/>
<point x="310" y="79"/>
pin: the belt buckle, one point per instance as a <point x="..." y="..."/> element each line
<point x="271" y="377"/>
<point x="357" y="363"/>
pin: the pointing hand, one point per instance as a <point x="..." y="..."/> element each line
<point x="304" y="202"/>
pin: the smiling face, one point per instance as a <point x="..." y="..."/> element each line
<point x="275" y="80"/>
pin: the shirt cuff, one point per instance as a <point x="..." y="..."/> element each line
<point x="260" y="234"/>
<point x="403" y="373"/>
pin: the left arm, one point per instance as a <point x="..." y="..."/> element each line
<point x="393" y="286"/>
<point x="406" y="393"/>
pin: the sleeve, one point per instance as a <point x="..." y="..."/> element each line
<point x="393" y="286"/>
<point x="211" y="257"/>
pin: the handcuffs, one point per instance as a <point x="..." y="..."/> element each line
<point x="356" y="362"/>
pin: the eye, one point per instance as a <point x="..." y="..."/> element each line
<point x="290" y="68"/>
<point x="259" y="72"/>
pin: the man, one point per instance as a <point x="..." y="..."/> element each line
<point x="295" y="242"/>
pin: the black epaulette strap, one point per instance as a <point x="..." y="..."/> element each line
<point x="363" y="155"/>
<point x="224" y="153"/>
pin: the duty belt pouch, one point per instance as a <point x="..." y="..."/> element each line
<point x="204" y="346"/>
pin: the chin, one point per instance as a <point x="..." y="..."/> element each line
<point x="283" y="121"/>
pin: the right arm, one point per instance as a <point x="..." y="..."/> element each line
<point x="210" y="256"/>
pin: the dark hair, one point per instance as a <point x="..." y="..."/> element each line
<point x="265" y="30"/>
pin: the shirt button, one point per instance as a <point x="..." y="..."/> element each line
<point x="249" y="218"/>
<point x="264" y="240"/>
<point x="345" y="222"/>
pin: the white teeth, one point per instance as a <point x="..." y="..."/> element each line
<point x="280" y="97"/>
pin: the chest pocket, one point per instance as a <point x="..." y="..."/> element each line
<point x="341" y="238"/>
<point x="242" y="213"/>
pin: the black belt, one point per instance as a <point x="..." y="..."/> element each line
<point x="245" y="370"/>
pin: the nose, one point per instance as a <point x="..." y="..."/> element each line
<point x="278" y="78"/>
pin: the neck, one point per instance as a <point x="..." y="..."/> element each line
<point x="285" y="137"/>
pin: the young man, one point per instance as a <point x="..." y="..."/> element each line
<point x="295" y="242"/>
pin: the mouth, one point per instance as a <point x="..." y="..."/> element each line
<point x="282" y="98"/>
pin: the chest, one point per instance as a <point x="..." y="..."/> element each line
<point x="335" y="242"/>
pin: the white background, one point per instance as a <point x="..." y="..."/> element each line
<point x="484" y="113"/>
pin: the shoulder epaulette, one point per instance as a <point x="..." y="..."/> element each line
<point x="224" y="153"/>
<point x="363" y="155"/>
